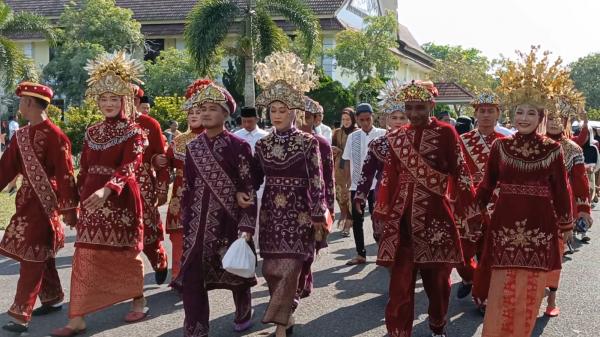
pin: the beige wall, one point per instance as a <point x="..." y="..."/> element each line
<point x="39" y="51"/>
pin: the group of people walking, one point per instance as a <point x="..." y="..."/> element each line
<point x="499" y="209"/>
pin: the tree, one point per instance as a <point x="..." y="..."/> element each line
<point x="211" y="20"/>
<point x="172" y="72"/>
<point x="167" y="109"/>
<point x="466" y="67"/>
<point x="333" y="97"/>
<point x="14" y="65"/>
<point x="89" y="29"/>
<point x="585" y="72"/>
<point x="367" y="53"/>
<point x="76" y="121"/>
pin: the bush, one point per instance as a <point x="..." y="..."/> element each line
<point x="76" y="120"/>
<point x="333" y="97"/>
<point x="170" y="74"/>
<point x="169" y="108"/>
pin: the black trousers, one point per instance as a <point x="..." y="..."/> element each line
<point x="357" y="223"/>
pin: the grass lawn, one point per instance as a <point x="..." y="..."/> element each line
<point x="7" y="208"/>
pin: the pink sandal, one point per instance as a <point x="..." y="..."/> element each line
<point x="66" y="332"/>
<point x="136" y="316"/>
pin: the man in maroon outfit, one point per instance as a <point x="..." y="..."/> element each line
<point x="41" y="153"/>
<point x="154" y="182"/>
<point x="420" y="233"/>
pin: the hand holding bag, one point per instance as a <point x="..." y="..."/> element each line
<point x="240" y="259"/>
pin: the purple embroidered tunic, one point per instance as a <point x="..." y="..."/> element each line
<point x="290" y="164"/>
<point x="215" y="170"/>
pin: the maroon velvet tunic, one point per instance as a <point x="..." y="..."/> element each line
<point x="112" y="151"/>
<point x="290" y="164"/>
<point x="42" y="154"/>
<point x="413" y="197"/>
<point x="152" y="181"/>
<point x="215" y="170"/>
<point x="532" y="205"/>
<point x="327" y="168"/>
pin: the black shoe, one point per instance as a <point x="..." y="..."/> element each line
<point x="160" y="276"/>
<point x="585" y="239"/>
<point x="464" y="290"/>
<point x="15" y="327"/>
<point x="45" y="310"/>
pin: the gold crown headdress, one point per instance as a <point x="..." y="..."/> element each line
<point x="389" y="97"/>
<point x="485" y="97"/>
<point x="533" y="80"/>
<point x="418" y="91"/>
<point x="113" y="73"/>
<point x="283" y="77"/>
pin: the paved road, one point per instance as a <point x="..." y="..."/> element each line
<point x="347" y="301"/>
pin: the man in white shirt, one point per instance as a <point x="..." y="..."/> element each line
<point x="13" y="127"/>
<point x="354" y="154"/>
<point x="251" y="133"/>
<point x="322" y="129"/>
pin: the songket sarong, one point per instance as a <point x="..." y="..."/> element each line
<point x="101" y="278"/>
<point x="282" y="276"/>
<point x="513" y="303"/>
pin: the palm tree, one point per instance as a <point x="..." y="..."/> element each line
<point x="211" y="20"/>
<point x="13" y="62"/>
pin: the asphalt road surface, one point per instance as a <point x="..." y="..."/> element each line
<point x="346" y="301"/>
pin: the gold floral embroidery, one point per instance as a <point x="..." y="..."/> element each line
<point x="278" y="151"/>
<point x="303" y="218"/>
<point x="16" y="229"/>
<point x="280" y="200"/>
<point x="522" y="238"/>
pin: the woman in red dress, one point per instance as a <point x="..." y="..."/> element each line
<point x="107" y="267"/>
<point x="532" y="209"/>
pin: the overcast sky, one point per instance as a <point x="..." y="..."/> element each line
<point x="568" y="28"/>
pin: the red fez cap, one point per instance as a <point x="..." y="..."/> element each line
<point x="138" y="91"/>
<point x="35" y="90"/>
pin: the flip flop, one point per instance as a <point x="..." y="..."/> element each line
<point x="356" y="261"/>
<point x="66" y="332"/>
<point x="136" y="316"/>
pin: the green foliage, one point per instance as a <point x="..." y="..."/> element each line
<point x="467" y="67"/>
<point x="233" y="80"/>
<point x="76" y="121"/>
<point x="171" y="73"/>
<point x="333" y="97"/>
<point x="168" y="108"/>
<point x="210" y="20"/>
<point x="585" y="72"/>
<point x="14" y="65"/>
<point x="206" y="29"/>
<point x="593" y="114"/>
<point x="88" y="29"/>
<point x="368" y="90"/>
<point x="366" y="53"/>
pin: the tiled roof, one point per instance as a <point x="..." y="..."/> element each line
<point x="163" y="10"/>
<point x="452" y="92"/>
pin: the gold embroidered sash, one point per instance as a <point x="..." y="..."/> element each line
<point x="36" y="175"/>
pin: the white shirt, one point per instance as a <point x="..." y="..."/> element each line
<point x="13" y="126"/>
<point x="251" y="137"/>
<point x="325" y="131"/>
<point x="356" y="150"/>
<point x="504" y="131"/>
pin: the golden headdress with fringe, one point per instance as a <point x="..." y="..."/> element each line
<point x="418" y="91"/>
<point x="534" y="80"/>
<point x="389" y="97"/>
<point x="113" y="73"/>
<point x="485" y="97"/>
<point x="283" y="77"/>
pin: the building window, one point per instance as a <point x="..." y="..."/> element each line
<point x="365" y="7"/>
<point x="153" y="49"/>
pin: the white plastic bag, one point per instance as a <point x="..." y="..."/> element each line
<point x="239" y="259"/>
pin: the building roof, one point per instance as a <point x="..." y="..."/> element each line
<point x="163" y="10"/>
<point x="409" y="47"/>
<point x="452" y="93"/>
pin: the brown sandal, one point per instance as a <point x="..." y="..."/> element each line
<point x="356" y="261"/>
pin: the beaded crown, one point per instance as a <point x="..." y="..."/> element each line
<point x="485" y="97"/>
<point x="418" y="91"/>
<point x="283" y="77"/>
<point x="389" y="97"/>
